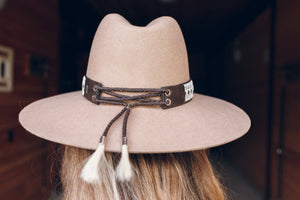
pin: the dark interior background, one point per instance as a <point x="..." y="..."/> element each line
<point x="243" y="51"/>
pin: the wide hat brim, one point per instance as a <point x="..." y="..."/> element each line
<point x="70" y="119"/>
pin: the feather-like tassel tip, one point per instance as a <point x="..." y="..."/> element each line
<point x="90" y="171"/>
<point x="124" y="170"/>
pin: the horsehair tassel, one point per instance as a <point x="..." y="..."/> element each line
<point x="90" y="171"/>
<point x="124" y="170"/>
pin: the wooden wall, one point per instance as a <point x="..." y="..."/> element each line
<point x="254" y="80"/>
<point x="285" y="154"/>
<point x="287" y="32"/>
<point x="30" y="28"/>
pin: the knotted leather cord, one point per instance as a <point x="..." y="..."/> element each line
<point x="120" y="99"/>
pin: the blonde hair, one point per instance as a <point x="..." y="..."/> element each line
<point x="170" y="176"/>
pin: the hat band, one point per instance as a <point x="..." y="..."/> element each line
<point x="166" y="97"/>
<point x="170" y="96"/>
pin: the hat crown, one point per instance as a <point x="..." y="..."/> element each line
<point x="123" y="55"/>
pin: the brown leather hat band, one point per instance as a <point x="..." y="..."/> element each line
<point x="170" y="96"/>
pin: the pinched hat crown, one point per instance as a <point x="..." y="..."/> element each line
<point x="133" y="56"/>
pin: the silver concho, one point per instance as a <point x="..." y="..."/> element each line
<point x="189" y="90"/>
<point x="83" y="85"/>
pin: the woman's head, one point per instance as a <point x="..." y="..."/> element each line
<point x="186" y="175"/>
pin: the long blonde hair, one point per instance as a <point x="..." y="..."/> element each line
<point x="170" y="176"/>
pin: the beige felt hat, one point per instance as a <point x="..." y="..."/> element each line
<point x="127" y="56"/>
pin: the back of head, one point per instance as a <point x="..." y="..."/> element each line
<point x="186" y="176"/>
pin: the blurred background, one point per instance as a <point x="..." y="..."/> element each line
<point x="244" y="51"/>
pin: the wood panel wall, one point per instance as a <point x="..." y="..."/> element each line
<point x="287" y="32"/>
<point x="30" y="28"/>
<point x="247" y="74"/>
<point x="285" y="175"/>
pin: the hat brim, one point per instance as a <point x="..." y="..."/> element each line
<point x="70" y="119"/>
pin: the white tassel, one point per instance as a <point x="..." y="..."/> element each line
<point x="90" y="171"/>
<point x="124" y="170"/>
